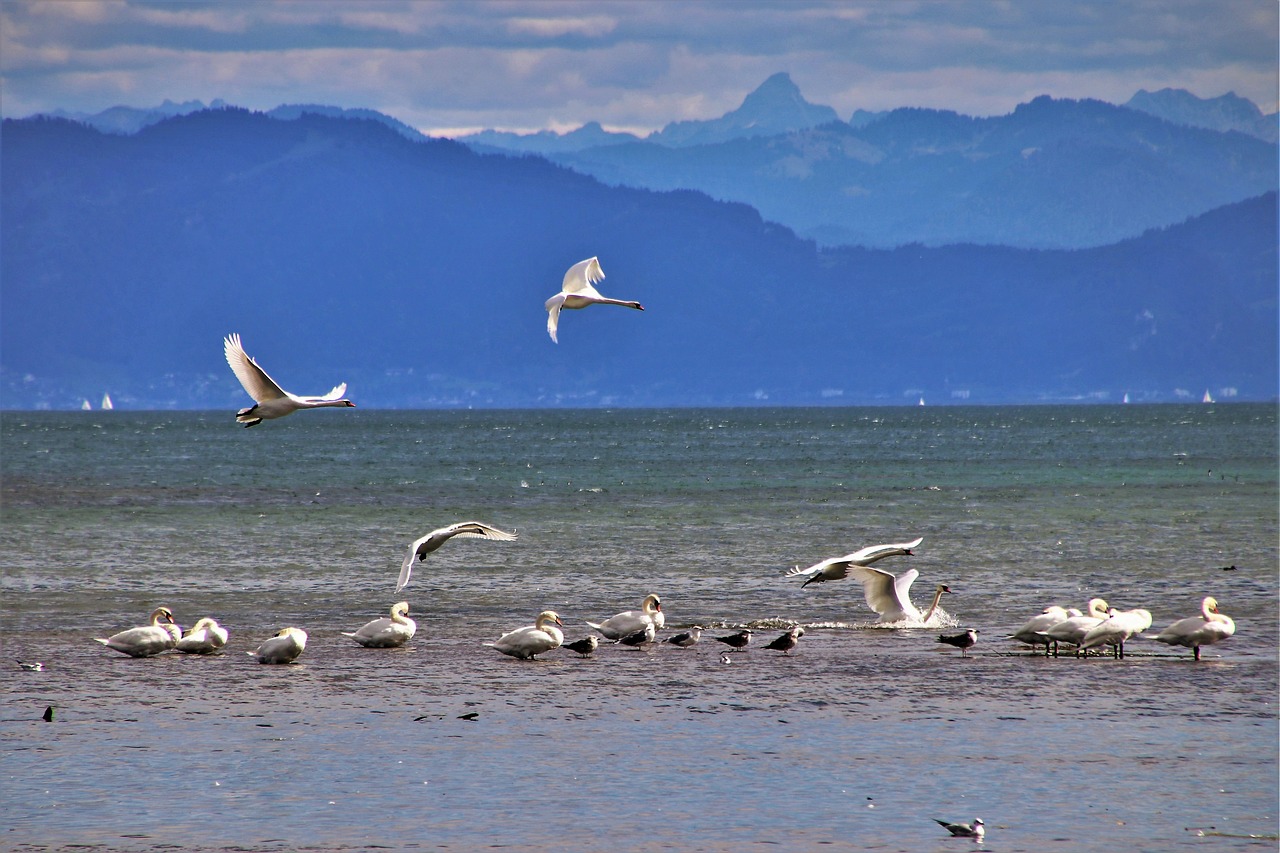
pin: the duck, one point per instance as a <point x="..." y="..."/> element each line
<point x="433" y="540"/>
<point x="389" y="632"/>
<point x="687" y="639"/>
<point x="1118" y="627"/>
<point x="629" y="621"/>
<point x="736" y="641"/>
<point x="284" y="647"/>
<point x="787" y="641"/>
<point x="964" y="830"/>
<point x="837" y="568"/>
<point x="1072" y="629"/>
<point x="270" y="400"/>
<point x="1032" y="631"/>
<point x="525" y="643"/>
<point x="583" y="647"/>
<point x="145" y="640"/>
<point x="963" y="641"/>
<point x="204" y="638"/>
<point x="577" y="292"/>
<point x="889" y="595"/>
<point x="1205" y="629"/>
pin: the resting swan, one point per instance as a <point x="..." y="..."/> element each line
<point x="541" y="636"/>
<point x="576" y="292"/>
<point x="1032" y="631"/>
<point x="1196" y="631"/>
<point x="629" y="621"/>
<point x="145" y="640"/>
<point x="284" y="647"/>
<point x="204" y="638"/>
<point x="1118" y="627"/>
<point x="389" y="632"/>
<point x="890" y="595"/>
<point x="433" y="540"/>
<point x="270" y="400"/>
<point x="837" y="568"/>
<point x="1072" y="630"/>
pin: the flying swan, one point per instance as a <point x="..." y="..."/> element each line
<point x="890" y="595"/>
<point x="1196" y="631"/>
<point x="837" y="568"/>
<point x="270" y="400"/>
<point x="389" y="632"/>
<point x="577" y="292"/>
<point x="433" y="540"/>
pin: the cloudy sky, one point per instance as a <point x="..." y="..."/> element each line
<point x="447" y="66"/>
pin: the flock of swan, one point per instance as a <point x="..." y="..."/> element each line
<point x="1103" y="626"/>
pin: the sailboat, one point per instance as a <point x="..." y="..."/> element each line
<point x="85" y="405"/>
<point x="1126" y="396"/>
<point x="1208" y="398"/>
<point x="106" y="402"/>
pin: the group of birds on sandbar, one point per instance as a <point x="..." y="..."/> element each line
<point x="1105" y="626"/>
<point x="205" y="637"/>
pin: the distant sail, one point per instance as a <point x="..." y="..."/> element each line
<point x="921" y="401"/>
<point x="85" y="405"/>
<point x="1126" y="396"/>
<point x="1208" y="398"/>
<point x="106" y="402"/>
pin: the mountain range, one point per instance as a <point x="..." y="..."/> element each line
<point x="416" y="269"/>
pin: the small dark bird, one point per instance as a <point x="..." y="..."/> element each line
<point x="31" y="667"/>
<point x="639" y="638"/>
<point x="787" y="641"/>
<point x="584" y="647"/>
<point x="688" y="638"/>
<point x="47" y="716"/>
<point x="963" y="642"/>
<point x="469" y="717"/>
<point x="964" y="830"/>
<point x="738" y="640"/>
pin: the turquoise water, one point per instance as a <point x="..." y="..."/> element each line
<point x="855" y="741"/>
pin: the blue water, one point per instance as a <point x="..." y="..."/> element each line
<point x="855" y="741"/>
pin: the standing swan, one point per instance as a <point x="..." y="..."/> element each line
<point x="890" y="595"/>
<point x="1196" y="631"/>
<point x="837" y="568"/>
<point x="577" y="292"/>
<point x="270" y="400"/>
<point x="145" y="640"/>
<point x="389" y="632"/>
<point x="524" y="643"/>
<point x="1118" y="627"/>
<point x="1032" y="631"/>
<point x="284" y="647"/>
<point x="204" y="638"/>
<point x="629" y="621"/>
<point x="1072" y="629"/>
<point x="433" y="540"/>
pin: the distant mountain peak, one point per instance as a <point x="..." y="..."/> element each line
<point x="775" y="106"/>
<point x="1223" y="113"/>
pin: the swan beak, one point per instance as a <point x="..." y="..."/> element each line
<point x="350" y="405"/>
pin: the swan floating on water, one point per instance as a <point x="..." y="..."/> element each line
<point x="837" y="568"/>
<point x="204" y="638"/>
<point x="629" y="621"/>
<point x="1118" y="627"/>
<point x="146" y="640"/>
<point x="1195" y="631"/>
<point x="787" y="641"/>
<point x="963" y="642"/>
<point x="389" y="632"/>
<point x="433" y="540"/>
<point x="270" y="400"/>
<point x="889" y="595"/>
<point x="524" y="643"/>
<point x="577" y="292"/>
<point x="284" y="647"/>
<point x="964" y="830"/>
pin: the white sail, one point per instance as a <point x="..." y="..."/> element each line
<point x="85" y="405"/>
<point x="1208" y="398"/>
<point x="106" y="402"/>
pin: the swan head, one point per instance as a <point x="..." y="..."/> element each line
<point x="400" y="608"/>
<point x="1098" y="605"/>
<point x="652" y="604"/>
<point x="1210" y="604"/>
<point x="942" y="587"/>
<point x="161" y="613"/>
<point x="547" y="616"/>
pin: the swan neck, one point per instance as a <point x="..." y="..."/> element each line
<point x="937" y="596"/>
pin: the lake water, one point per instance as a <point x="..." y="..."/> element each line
<point x="853" y="742"/>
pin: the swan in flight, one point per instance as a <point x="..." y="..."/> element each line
<point x="963" y="642"/>
<point x="577" y="292"/>
<point x="629" y="621"/>
<point x="433" y="540"/>
<point x="787" y="641"/>
<point x="284" y="647"/>
<point x="389" y="632"/>
<point x="204" y="638"/>
<point x="541" y="636"/>
<point x="1072" y="629"/>
<point x="1032" y="631"/>
<point x="890" y="595"/>
<point x="270" y="400"/>
<point x="1196" y="631"/>
<point x="1118" y="627"/>
<point x="145" y="640"/>
<point x="964" y="830"/>
<point x="837" y="568"/>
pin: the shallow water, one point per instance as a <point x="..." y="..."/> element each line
<point x="854" y="741"/>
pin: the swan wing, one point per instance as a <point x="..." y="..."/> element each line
<point x="581" y="276"/>
<point x="882" y="589"/>
<point x="336" y="393"/>
<point x="869" y="555"/>
<point x="553" y="315"/>
<point x="255" y="380"/>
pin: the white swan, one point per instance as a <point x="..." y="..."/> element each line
<point x="629" y="621"/>
<point x="284" y="647"/>
<point x="837" y="568"/>
<point x="1196" y="631"/>
<point x="388" y="632"/>
<point x="524" y="643"/>
<point x="270" y="400"/>
<point x="145" y="640"/>
<point x="890" y="595"/>
<point x="1072" y="630"/>
<point x="1118" y="627"/>
<point x="577" y="292"/>
<point x="1032" y="631"/>
<point x="433" y="540"/>
<point x="204" y="638"/>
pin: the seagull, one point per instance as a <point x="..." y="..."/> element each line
<point x="629" y="621"/>
<point x="724" y="658"/>
<point x="433" y="540"/>
<point x="642" y="637"/>
<point x="577" y="292"/>
<point x="837" y="568"/>
<point x="31" y="667"/>
<point x="889" y="595"/>
<point x="1196" y="631"/>
<point x="736" y="641"/>
<point x="270" y="400"/>
<point x="688" y="638"/>
<point x="284" y="647"/>
<point x="145" y="640"/>
<point x="787" y="641"/>
<point x="964" y="830"/>
<point x="584" y="647"/>
<point x="524" y="643"/>
<point x="963" y="642"/>
<point x="204" y="638"/>
<point x="389" y="632"/>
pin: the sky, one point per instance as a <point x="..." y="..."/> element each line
<point x="451" y="67"/>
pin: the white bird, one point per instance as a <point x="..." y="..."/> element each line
<point x="204" y="638"/>
<point x="964" y="830"/>
<point x="1196" y="631"/>
<point x="1118" y="627"/>
<point x="389" y="632"/>
<point x="145" y="640"/>
<point x="629" y="621"/>
<point x="1072" y="629"/>
<point x="837" y="568"/>
<point x="577" y="292"/>
<point x="433" y="540"/>
<point x="541" y="636"/>
<point x="890" y="595"/>
<point x="284" y="647"/>
<point x="1032" y="631"/>
<point x="270" y="400"/>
